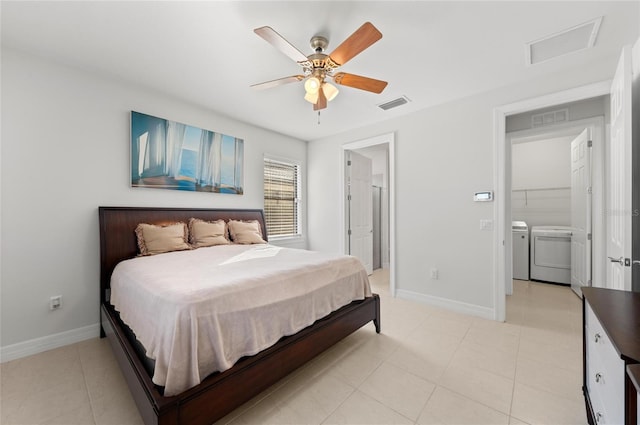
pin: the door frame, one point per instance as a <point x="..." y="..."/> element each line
<point x="389" y="139"/>
<point x="502" y="179"/>
<point x="635" y="177"/>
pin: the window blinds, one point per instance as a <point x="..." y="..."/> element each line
<point x="281" y="189"/>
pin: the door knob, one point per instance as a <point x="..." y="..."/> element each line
<point x="636" y="262"/>
<point x="617" y="260"/>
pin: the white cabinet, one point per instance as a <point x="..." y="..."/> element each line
<point x="605" y="373"/>
<point x="611" y="344"/>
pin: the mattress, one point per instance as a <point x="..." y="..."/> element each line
<point x="197" y="312"/>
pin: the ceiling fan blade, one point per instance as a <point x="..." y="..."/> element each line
<point x="359" y="82"/>
<point x="278" y="82"/>
<point x="279" y="42"/>
<point x="364" y="37"/>
<point x="321" y="103"/>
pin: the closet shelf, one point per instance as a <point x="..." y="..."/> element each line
<point x="539" y="189"/>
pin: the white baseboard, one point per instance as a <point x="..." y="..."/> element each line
<point x="456" y="306"/>
<point x="49" y="342"/>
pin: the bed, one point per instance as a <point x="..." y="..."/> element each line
<point x="221" y="392"/>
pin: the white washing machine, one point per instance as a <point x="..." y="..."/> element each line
<point x="551" y="254"/>
<point x="520" y="245"/>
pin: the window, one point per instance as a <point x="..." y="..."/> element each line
<point x="282" y="197"/>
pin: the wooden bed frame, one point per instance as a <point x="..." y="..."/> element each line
<point x="220" y="393"/>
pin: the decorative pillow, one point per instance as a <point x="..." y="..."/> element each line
<point x="245" y="232"/>
<point x="153" y="239"/>
<point x="207" y="233"/>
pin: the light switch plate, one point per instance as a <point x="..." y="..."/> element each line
<point x="486" y="224"/>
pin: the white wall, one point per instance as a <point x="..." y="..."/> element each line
<point x="541" y="164"/>
<point x="443" y="155"/>
<point x="65" y="151"/>
<point x="541" y="181"/>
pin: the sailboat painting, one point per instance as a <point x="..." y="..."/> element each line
<point x="169" y="155"/>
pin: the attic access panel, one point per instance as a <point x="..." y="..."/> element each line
<point x="571" y="40"/>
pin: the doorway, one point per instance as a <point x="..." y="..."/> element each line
<point x="379" y="196"/>
<point x="502" y="179"/>
<point x="359" y="173"/>
<point x="551" y="186"/>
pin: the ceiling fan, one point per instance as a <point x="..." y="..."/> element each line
<point x="318" y="66"/>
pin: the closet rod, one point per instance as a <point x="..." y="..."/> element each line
<point x="540" y="189"/>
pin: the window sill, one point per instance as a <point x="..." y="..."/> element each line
<point x="285" y="238"/>
<point x="297" y="241"/>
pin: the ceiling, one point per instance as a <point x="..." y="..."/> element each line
<point x="207" y="54"/>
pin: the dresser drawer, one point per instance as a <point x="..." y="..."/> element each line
<point x="600" y="413"/>
<point x="605" y="372"/>
<point x="596" y="391"/>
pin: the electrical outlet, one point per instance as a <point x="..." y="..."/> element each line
<point x="55" y="302"/>
<point x="434" y="274"/>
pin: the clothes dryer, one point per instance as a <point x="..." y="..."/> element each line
<point x="551" y="254"/>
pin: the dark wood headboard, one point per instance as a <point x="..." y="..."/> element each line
<point x="118" y="224"/>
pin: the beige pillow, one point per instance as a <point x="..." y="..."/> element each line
<point x="154" y="239"/>
<point x="245" y="232"/>
<point x="207" y="233"/>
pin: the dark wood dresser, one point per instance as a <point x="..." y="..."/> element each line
<point x="611" y="343"/>
<point x="633" y="371"/>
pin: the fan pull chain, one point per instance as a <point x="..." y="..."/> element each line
<point x="318" y="117"/>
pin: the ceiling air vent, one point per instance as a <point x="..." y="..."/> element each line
<point x="394" y="103"/>
<point x="571" y="40"/>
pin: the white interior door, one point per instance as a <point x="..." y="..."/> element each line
<point x="618" y="215"/>
<point x="359" y="198"/>
<point x="581" y="211"/>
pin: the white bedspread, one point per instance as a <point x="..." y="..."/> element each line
<point x="197" y="312"/>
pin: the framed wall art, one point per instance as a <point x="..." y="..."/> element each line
<point x="169" y="155"/>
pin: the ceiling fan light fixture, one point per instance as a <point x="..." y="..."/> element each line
<point x="312" y="85"/>
<point x="330" y="91"/>
<point x="312" y="97"/>
<point x="319" y="66"/>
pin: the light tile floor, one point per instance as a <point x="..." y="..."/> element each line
<point x="429" y="366"/>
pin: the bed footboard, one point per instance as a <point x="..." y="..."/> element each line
<point x="221" y="393"/>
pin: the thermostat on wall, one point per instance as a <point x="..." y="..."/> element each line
<point x="483" y="196"/>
